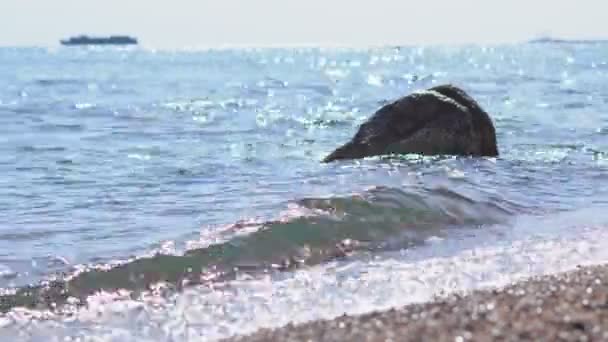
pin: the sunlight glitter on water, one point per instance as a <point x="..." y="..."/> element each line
<point x="167" y="142"/>
<point x="459" y="263"/>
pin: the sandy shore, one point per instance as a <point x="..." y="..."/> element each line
<point x="571" y="306"/>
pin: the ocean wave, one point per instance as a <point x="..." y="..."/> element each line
<point x="312" y="231"/>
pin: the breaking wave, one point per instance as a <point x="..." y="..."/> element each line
<point x="312" y="231"/>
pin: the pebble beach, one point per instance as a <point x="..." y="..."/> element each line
<point x="572" y="306"/>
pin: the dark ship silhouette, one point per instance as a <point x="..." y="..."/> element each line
<point x="111" y="40"/>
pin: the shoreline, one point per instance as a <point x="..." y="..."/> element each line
<point x="571" y="306"/>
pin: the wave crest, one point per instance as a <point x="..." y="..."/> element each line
<point x="315" y="230"/>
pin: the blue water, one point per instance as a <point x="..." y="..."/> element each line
<point x="112" y="154"/>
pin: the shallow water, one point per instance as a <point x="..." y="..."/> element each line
<point x="211" y="158"/>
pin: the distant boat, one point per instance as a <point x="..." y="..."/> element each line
<point x="543" y="40"/>
<point x="551" y="40"/>
<point x="112" y="40"/>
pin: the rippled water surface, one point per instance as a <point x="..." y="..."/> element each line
<point x="120" y="169"/>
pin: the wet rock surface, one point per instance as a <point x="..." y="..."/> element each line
<point x="442" y="120"/>
<point x="567" y="307"/>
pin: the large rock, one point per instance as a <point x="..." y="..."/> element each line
<point x="442" y="120"/>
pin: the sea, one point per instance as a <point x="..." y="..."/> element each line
<point x="174" y="195"/>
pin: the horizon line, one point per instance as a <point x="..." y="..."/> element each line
<point x="322" y="45"/>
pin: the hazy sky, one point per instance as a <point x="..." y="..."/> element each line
<point x="180" y="23"/>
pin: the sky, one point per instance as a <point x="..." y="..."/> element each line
<point x="212" y="23"/>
